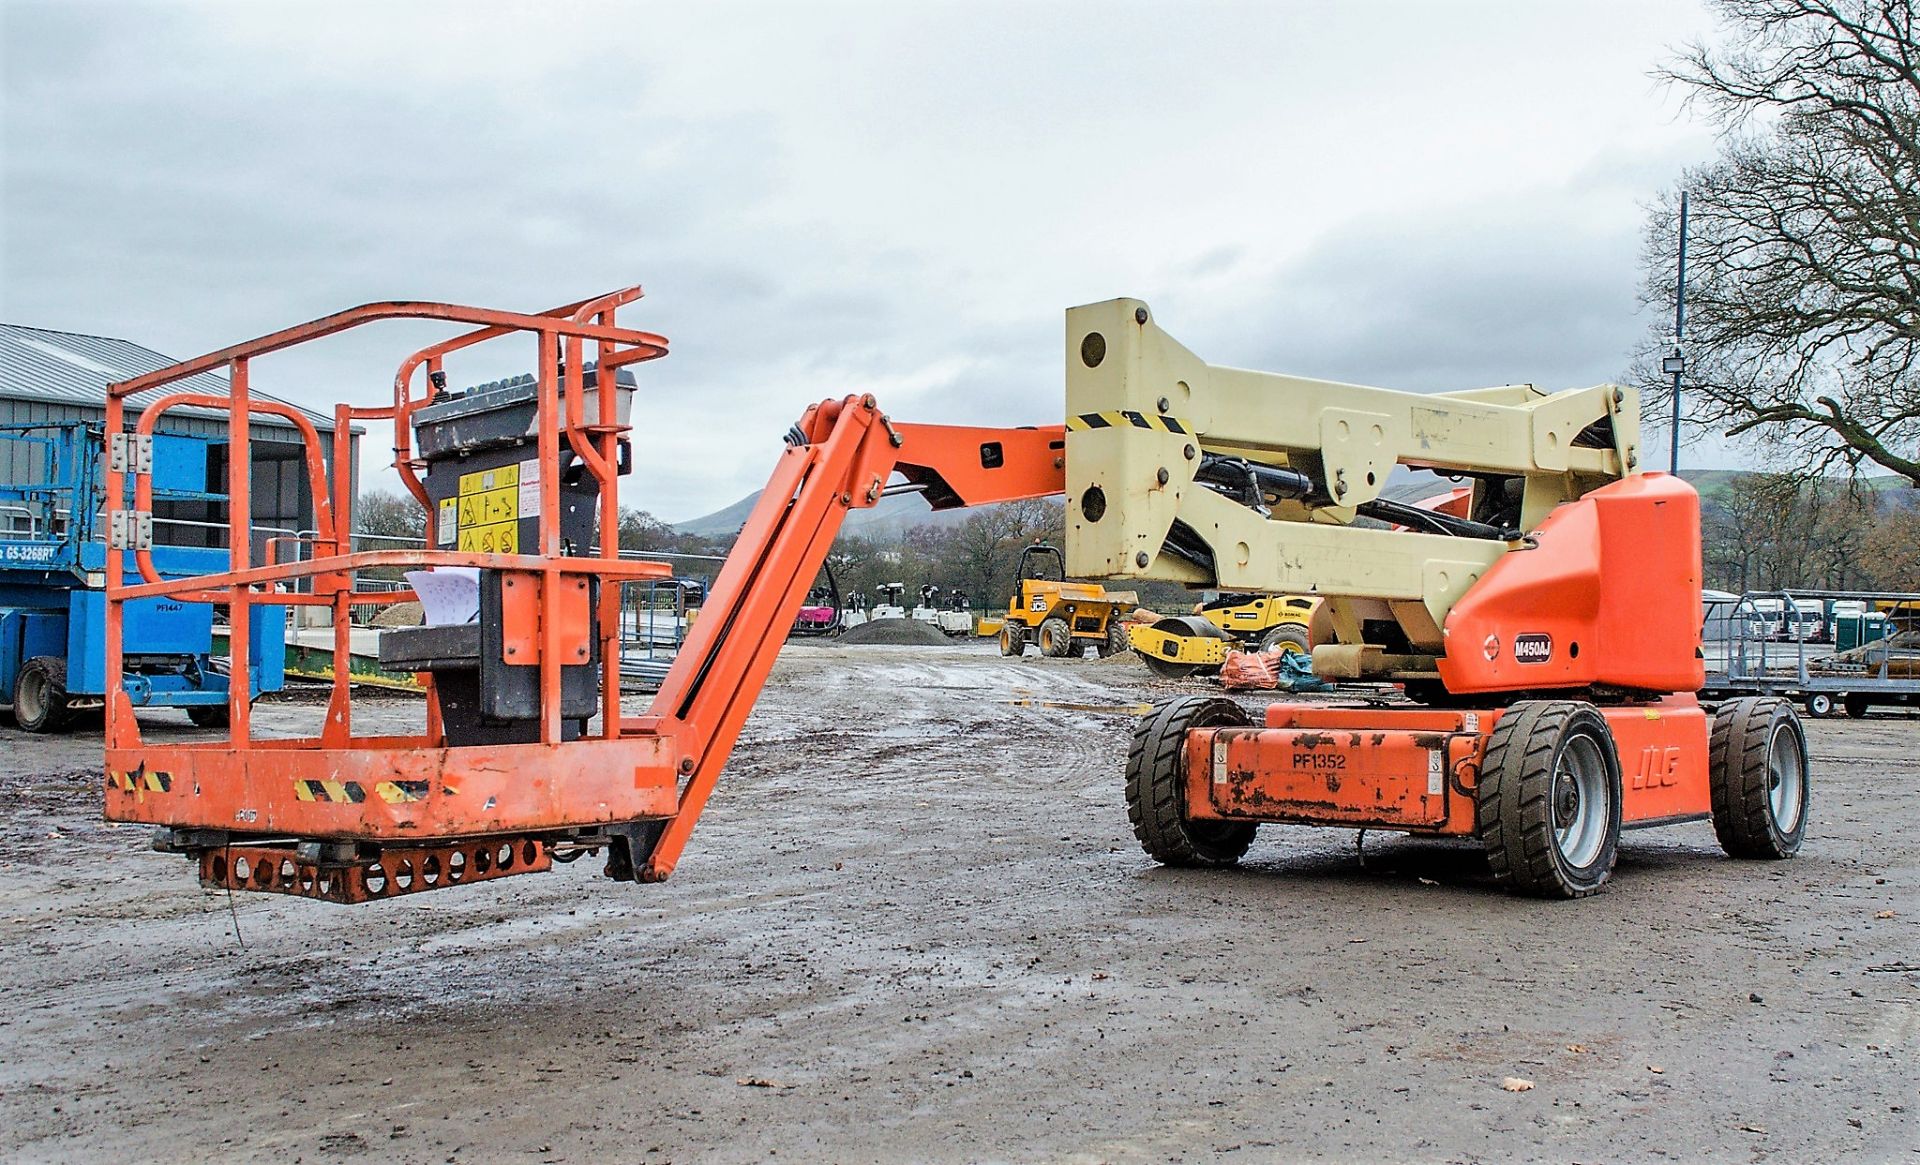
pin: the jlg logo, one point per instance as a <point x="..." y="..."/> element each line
<point x="1659" y="768"/>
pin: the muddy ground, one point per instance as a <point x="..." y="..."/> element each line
<point x="913" y="925"/>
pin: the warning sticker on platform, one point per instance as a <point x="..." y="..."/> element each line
<point x="488" y="511"/>
<point x="449" y="525"/>
<point x="529" y="488"/>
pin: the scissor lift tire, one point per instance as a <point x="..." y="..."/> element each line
<point x="40" y="695"/>
<point x="208" y="715"/>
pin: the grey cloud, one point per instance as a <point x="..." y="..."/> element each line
<point x="176" y="181"/>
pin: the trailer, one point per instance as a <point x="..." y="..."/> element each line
<point x="1829" y="651"/>
<point x="53" y="560"/>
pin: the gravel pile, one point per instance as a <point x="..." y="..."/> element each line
<point x="905" y="632"/>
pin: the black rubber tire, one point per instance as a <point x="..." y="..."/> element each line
<point x="1516" y="800"/>
<point x="1117" y="642"/>
<point x="1056" y="638"/>
<point x="1857" y="705"/>
<point x="43" y="683"/>
<point x="1821" y="705"/>
<point x="1013" y="639"/>
<point x="208" y="715"/>
<point x="1286" y="637"/>
<point x="1741" y="772"/>
<point x="1156" y="786"/>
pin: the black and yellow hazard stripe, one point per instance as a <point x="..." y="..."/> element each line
<point x="1118" y="418"/>
<point x="330" y="791"/>
<point x="142" y="779"/>
<point x="401" y="792"/>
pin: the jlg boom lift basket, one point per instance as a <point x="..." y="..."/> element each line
<point x="527" y="753"/>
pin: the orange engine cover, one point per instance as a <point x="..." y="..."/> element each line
<point x="1610" y="595"/>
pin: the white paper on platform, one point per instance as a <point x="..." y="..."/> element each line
<point x="450" y="594"/>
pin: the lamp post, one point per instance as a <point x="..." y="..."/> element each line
<point x="1676" y="361"/>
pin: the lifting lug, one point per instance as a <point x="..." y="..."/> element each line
<point x="629" y="847"/>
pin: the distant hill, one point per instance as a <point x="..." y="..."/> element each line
<point x="1713" y="484"/>
<point x="886" y="520"/>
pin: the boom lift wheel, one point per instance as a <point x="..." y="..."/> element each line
<point x="1286" y="637"/>
<point x="1549" y="802"/>
<point x="40" y="695"/>
<point x="1157" y="786"/>
<point x="1056" y="637"/>
<point x="1013" y="639"/>
<point x="1757" y="766"/>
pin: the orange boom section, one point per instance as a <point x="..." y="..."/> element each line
<point x="1608" y="595"/>
<point x="527" y="753"/>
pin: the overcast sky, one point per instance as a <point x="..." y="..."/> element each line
<point x="823" y="198"/>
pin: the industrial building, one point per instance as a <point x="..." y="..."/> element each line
<point x="52" y="377"/>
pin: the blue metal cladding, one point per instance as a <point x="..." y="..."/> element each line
<point x="52" y="574"/>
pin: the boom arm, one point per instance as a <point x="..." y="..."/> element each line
<point x="1250" y="481"/>
<point x="839" y="458"/>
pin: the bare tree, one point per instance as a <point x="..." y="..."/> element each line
<point x="1768" y="531"/>
<point x="389" y="515"/>
<point x="640" y="530"/>
<point x="986" y="547"/>
<point x="1803" y="306"/>
<point x="1891" y="550"/>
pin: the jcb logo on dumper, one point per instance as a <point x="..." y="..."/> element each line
<point x="1037" y="603"/>
<point x="1659" y="768"/>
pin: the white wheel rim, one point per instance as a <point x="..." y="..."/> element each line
<point x="32" y="699"/>
<point x="1786" y="780"/>
<point x="1581" y="804"/>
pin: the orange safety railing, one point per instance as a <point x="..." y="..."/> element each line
<point x="332" y="567"/>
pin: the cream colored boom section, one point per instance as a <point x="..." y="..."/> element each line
<point x="1142" y="412"/>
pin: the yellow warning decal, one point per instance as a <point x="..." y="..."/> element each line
<point x="1125" y="418"/>
<point x="493" y="538"/>
<point x="142" y="779"/>
<point x="329" y="791"/>
<point x="488" y="517"/>
<point x="401" y="792"/>
<point x="485" y="480"/>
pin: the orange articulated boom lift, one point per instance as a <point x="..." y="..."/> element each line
<point x="527" y="755"/>
<point x="1548" y="612"/>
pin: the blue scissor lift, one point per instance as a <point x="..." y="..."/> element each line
<point x="53" y="584"/>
